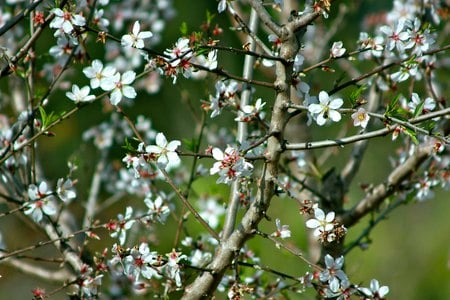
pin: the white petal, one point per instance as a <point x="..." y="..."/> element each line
<point x="129" y="92"/>
<point x="334" y="115"/>
<point x="336" y="103"/>
<point x="217" y="154"/>
<point x="312" y="223"/>
<point x="116" y="96"/>
<point x="323" y="97"/>
<point x="161" y="140"/>
<point x="128" y="77"/>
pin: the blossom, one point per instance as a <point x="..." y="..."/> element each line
<point x="97" y="73"/>
<point x="428" y="105"/>
<point x="120" y="86"/>
<point x="180" y="50"/>
<point x="321" y="223"/>
<point x="120" y="227"/>
<point x="282" y="230"/>
<point x="65" y="190"/>
<point x="140" y="261"/>
<point x="230" y="165"/>
<point x="337" y="49"/>
<point x="65" y="20"/>
<point x="333" y="270"/>
<point x="157" y="209"/>
<point x="164" y="151"/>
<point x="326" y="108"/>
<point x="80" y="95"/>
<point x="251" y="111"/>
<point x="41" y="203"/>
<point x="136" y="37"/>
<point x="172" y="267"/>
<point x="397" y="37"/>
<point x="210" y="211"/>
<point x="360" y="118"/>
<point x="375" y="291"/>
<point x="211" y="60"/>
<point x="199" y="258"/>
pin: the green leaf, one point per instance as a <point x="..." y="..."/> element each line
<point x="209" y="16"/>
<point x="190" y="144"/>
<point x="355" y="96"/>
<point x="47" y="119"/>
<point x="412" y="134"/>
<point x="184" y="29"/>
<point x="419" y="109"/>
<point x="128" y="146"/>
<point x="392" y="107"/>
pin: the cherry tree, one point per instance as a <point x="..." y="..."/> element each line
<point x="264" y="134"/>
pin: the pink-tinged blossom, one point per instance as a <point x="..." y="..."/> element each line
<point x="164" y="151"/>
<point x="119" y="85"/>
<point x="375" y="291"/>
<point x="321" y="223"/>
<point x="118" y="228"/>
<point x="140" y="262"/>
<point x="66" y="21"/>
<point x="181" y="51"/>
<point x="98" y="19"/>
<point x="333" y="270"/>
<point x="397" y="37"/>
<point x="360" y="118"/>
<point x="136" y="37"/>
<point x="337" y="49"/>
<point x="326" y="109"/>
<point x="98" y="74"/>
<point x="230" y="165"/>
<point x="367" y="42"/>
<point x="41" y="202"/>
<point x="78" y="95"/>
<point x="282" y="230"/>
<point x="90" y="285"/>
<point x="173" y="268"/>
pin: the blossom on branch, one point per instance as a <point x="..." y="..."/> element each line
<point x="80" y="95"/>
<point x="119" y="85"/>
<point x="230" y="165"/>
<point x="136" y="37"/>
<point x="66" y="21"/>
<point x="360" y="118"/>
<point x="326" y="109"/>
<point x="337" y="49"/>
<point x="164" y="151"/>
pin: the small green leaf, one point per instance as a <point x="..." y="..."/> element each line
<point x="419" y="109"/>
<point x="412" y="134"/>
<point x="184" y="29"/>
<point x="356" y="95"/>
<point x="190" y="144"/>
<point x="128" y="146"/>
<point x="392" y="106"/>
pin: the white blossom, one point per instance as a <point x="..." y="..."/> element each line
<point x="80" y="95"/>
<point x="164" y="151"/>
<point x="136" y="37"/>
<point x="326" y="109"/>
